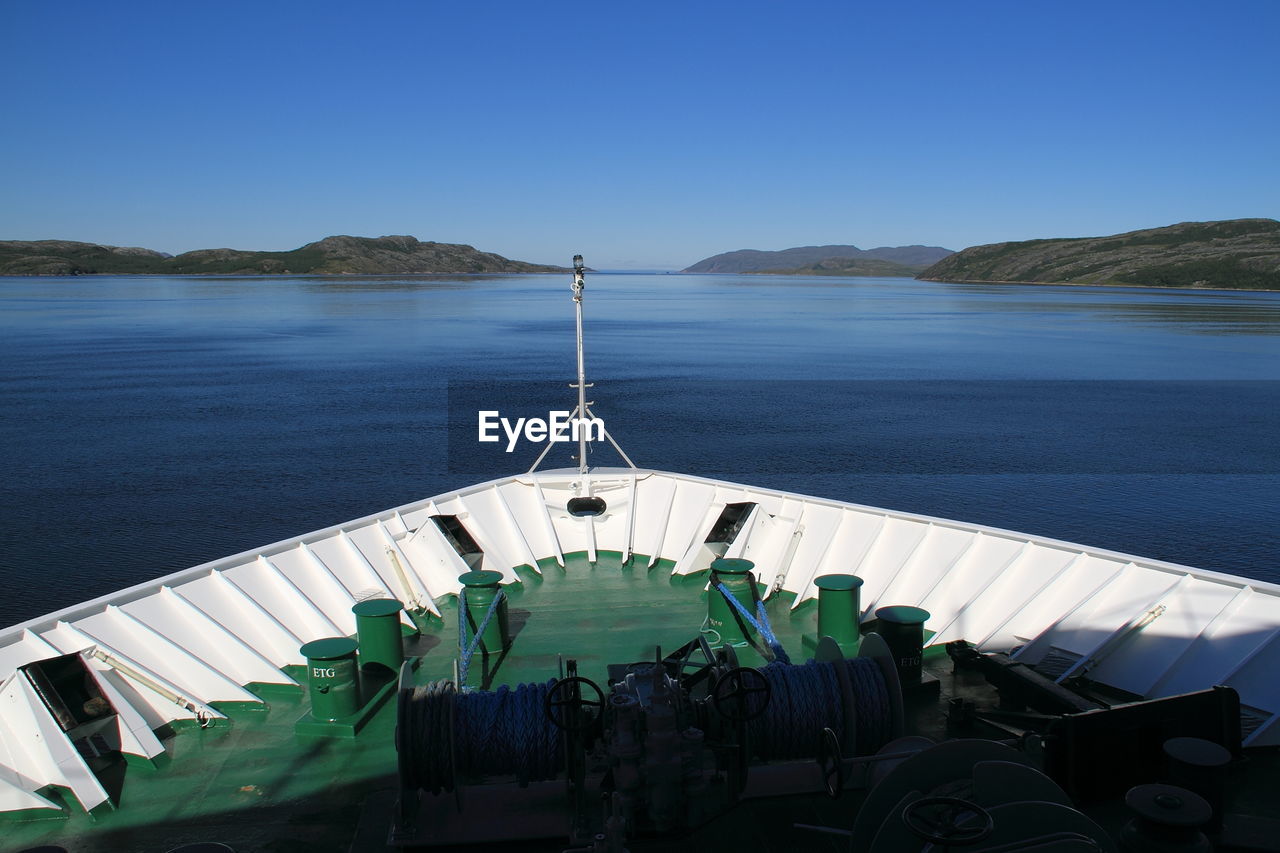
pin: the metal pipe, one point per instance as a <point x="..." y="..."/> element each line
<point x="578" y="285"/>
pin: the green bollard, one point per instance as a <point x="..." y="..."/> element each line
<point x="723" y="617"/>
<point x="331" y="678"/>
<point x="481" y="587"/>
<point x="378" y="627"/>
<point x="902" y="628"/>
<point x="839" y="609"/>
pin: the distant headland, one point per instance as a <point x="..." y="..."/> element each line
<point x="339" y="255"/>
<point x="824" y="260"/>
<point x="1233" y="254"/>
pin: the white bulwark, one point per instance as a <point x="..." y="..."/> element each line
<point x="165" y="650"/>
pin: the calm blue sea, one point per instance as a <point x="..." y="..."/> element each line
<point x="152" y="423"/>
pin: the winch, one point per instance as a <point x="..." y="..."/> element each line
<point x="667" y="745"/>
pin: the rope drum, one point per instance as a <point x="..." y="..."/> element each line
<point x="443" y="735"/>
<point x="806" y="699"/>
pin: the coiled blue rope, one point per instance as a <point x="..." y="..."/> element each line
<point x="806" y="699"/>
<point x="467" y="647"/>
<point x="506" y="732"/>
<point x="760" y="623"/>
<point x="443" y="735"/>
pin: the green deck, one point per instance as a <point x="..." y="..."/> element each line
<point x="254" y="785"/>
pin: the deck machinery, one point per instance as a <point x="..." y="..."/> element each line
<point x="670" y="745"/>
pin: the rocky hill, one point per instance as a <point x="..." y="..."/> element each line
<point x="1239" y="254"/>
<point x="825" y="260"/>
<point x="330" y="256"/>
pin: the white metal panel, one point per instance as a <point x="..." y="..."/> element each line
<point x="1001" y="595"/>
<point x="611" y="526"/>
<point x="894" y="544"/>
<point x="967" y="582"/>
<point x="484" y="520"/>
<point x="688" y="511"/>
<point x="197" y="677"/>
<point x="314" y="580"/>
<point x="184" y="625"/>
<point x="653" y="507"/>
<point x="1049" y="592"/>
<point x="433" y="561"/>
<point x="1134" y="594"/>
<point x="132" y="729"/>
<point x="1243" y="625"/>
<point x="1059" y="617"/>
<point x="694" y="559"/>
<point x="1157" y="649"/>
<point x="519" y="541"/>
<point x="528" y="514"/>
<point x="27" y="647"/>
<point x="39" y="747"/>
<point x="219" y="598"/>
<point x="548" y="524"/>
<point x="411" y="588"/>
<point x="360" y="578"/>
<point x="142" y="691"/>
<point x="773" y="541"/>
<point x="570" y="532"/>
<point x="1255" y="677"/>
<point x="935" y="555"/>
<point x="817" y="523"/>
<point x="416" y="517"/>
<point x="18" y="794"/>
<point x="738" y="547"/>
<point x="265" y="584"/>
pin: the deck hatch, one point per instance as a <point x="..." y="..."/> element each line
<point x="730" y="523"/>
<point x="66" y="689"/>
<point x="459" y="539"/>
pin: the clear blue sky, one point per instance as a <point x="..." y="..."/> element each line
<point x="639" y="134"/>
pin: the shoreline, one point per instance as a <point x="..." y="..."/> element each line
<point x="1102" y="284"/>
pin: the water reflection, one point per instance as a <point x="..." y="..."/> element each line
<point x="1196" y="312"/>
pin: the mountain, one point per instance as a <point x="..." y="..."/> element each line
<point x="825" y="260"/>
<point x="1239" y="254"/>
<point x="331" y="256"/>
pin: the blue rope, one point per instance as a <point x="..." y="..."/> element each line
<point x="806" y="699"/>
<point x="760" y="624"/>
<point x="467" y="648"/>
<point x="505" y="732"/>
<point x="444" y="736"/>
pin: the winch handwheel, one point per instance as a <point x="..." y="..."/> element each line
<point x="566" y="694"/>
<point x="938" y="820"/>
<point x="830" y="763"/>
<point x="734" y="692"/>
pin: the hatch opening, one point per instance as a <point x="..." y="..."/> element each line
<point x="459" y="539"/>
<point x="730" y="523"/>
<point x="586" y="507"/>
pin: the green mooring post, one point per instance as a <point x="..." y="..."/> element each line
<point x="378" y="627"/>
<point x="903" y="630"/>
<point x="481" y="587"/>
<point x="723" y="617"/>
<point x="331" y="678"/>
<point x="839" y="608"/>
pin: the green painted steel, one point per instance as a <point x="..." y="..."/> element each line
<point x="331" y="677"/>
<point x="839" y="607"/>
<point x="378" y="627"/>
<point x="736" y="575"/>
<point x="903" y="630"/>
<point x="481" y="588"/>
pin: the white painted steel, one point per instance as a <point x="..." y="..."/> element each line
<point x="1148" y="627"/>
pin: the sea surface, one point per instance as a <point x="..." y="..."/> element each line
<point x="152" y="423"/>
